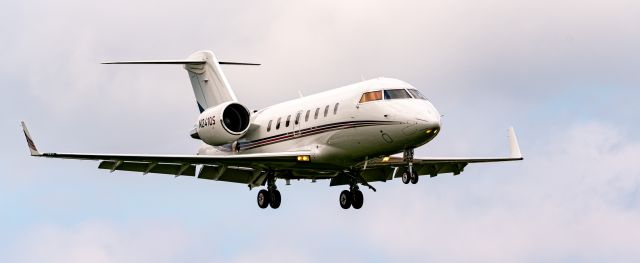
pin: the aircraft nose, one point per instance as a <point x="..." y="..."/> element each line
<point x="429" y="121"/>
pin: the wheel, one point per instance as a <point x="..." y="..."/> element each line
<point x="406" y="177"/>
<point x="275" y="199"/>
<point x="263" y="198"/>
<point x="345" y="199"/>
<point x="358" y="199"/>
<point x="414" y="178"/>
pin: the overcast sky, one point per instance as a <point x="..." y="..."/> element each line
<point x="563" y="73"/>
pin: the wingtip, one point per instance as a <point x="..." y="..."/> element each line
<point x="32" y="146"/>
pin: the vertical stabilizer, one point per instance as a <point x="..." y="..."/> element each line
<point x="209" y="83"/>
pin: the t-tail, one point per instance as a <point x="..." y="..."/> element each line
<point x="210" y="86"/>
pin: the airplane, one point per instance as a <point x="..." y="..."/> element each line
<point x="353" y="135"/>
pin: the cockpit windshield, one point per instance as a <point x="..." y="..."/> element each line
<point x="396" y="94"/>
<point x="391" y="94"/>
<point x="416" y="94"/>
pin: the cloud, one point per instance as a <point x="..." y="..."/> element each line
<point x="103" y="242"/>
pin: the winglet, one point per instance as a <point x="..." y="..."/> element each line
<point x="32" y="146"/>
<point x="514" y="148"/>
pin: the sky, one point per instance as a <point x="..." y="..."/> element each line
<point x="563" y="73"/>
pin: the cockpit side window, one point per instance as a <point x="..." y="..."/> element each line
<point x="391" y="94"/>
<point x="371" y="96"/>
<point x="416" y="94"/>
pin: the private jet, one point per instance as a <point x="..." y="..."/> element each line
<point x="352" y="136"/>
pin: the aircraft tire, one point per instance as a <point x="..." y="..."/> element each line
<point x="406" y="178"/>
<point x="345" y="199"/>
<point x="263" y="198"/>
<point x="276" y="199"/>
<point x="358" y="199"/>
<point x="414" y="178"/>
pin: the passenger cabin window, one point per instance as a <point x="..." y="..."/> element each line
<point x="278" y="123"/>
<point x="326" y="110"/>
<point x="396" y="94"/>
<point x="315" y="116"/>
<point x="297" y="118"/>
<point x="371" y="96"/>
<point x="288" y="120"/>
<point x="416" y="94"/>
<point x="335" y="109"/>
<point x="306" y="117"/>
<point x="269" y="126"/>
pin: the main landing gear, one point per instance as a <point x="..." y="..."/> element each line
<point x="271" y="196"/>
<point x="409" y="175"/>
<point x="353" y="197"/>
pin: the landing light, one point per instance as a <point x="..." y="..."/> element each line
<point x="436" y="131"/>
<point x="303" y="158"/>
<point x="385" y="159"/>
<point x="428" y="131"/>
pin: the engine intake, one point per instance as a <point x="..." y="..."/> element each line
<point x="235" y="118"/>
<point x="223" y="124"/>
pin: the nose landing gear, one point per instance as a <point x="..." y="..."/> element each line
<point x="409" y="175"/>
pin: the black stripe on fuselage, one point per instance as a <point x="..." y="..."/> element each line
<point x="308" y="132"/>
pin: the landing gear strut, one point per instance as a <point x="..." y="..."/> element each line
<point x="271" y="196"/>
<point x="353" y="197"/>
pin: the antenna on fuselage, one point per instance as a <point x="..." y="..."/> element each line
<point x="300" y="93"/>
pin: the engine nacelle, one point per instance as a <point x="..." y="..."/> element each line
<point x="223" y="124"/>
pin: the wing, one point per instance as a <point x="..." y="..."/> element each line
<point x="383" y="169"/>
<point x="240" y="168"/>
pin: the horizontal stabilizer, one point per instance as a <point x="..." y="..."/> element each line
<point x="178" y="62"/>
<point x="238" y="63"/>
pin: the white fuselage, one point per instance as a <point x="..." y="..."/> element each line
<point x="339" y="127"/>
